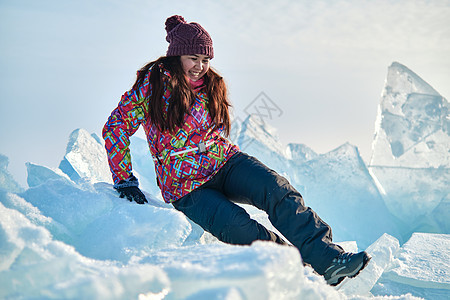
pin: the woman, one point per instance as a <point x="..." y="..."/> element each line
<point x="182" y="104"/>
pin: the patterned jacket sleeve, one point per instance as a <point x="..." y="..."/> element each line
<point x="123" y="122"/>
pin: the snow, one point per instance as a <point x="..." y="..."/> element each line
<point x="195" y="270"/>
<point x="418" y="254"/>
<point x="422" y="265"/>
<point x="34" y="265"/>
<point x="69" y="236"/>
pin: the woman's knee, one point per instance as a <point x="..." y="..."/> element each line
<point x="201" y="206"/>
<point x="232" y="224"/>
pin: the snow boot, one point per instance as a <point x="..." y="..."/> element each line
<point x="345" y="265"/>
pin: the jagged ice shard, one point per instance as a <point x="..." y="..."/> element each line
<point x="85" y="158"/>
<point x="413" y="123"/>
<point x="410" y="159"/>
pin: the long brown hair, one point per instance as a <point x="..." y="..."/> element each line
<point x="182" y="95"/>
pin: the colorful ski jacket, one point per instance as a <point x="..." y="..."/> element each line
<point x="179" y="169"/>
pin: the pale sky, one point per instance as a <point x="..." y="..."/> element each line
<point x="65" y="64"/>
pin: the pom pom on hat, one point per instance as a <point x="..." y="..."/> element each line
<point x="173" y="21"/>
<point x="187" y="38"/>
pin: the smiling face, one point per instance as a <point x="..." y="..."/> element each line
<point x="195" y="65"/>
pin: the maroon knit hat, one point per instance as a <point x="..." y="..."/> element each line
<point x="187" y="38"/>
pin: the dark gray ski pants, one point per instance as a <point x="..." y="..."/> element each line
<point x="244" y="179"/>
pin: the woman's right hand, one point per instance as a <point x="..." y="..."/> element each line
<point x="132" y="193"/>
<point x="129" y="188"/>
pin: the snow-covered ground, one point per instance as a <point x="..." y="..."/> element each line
<point x="69" y="236"/>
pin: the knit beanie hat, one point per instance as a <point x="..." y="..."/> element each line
<point x="187" y="38"/>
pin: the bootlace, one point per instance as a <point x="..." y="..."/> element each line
<point x="343" y="258"/>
